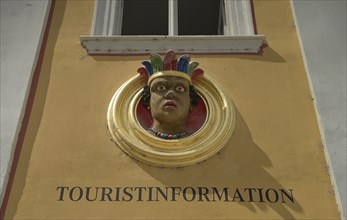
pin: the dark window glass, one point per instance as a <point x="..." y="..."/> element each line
<point x="199" y="17"/>
<point x="145" y="17"/>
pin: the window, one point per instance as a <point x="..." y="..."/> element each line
<point x="142" y="26"/>
<point x="204" y="18"/>
<point x="145" y="17"/>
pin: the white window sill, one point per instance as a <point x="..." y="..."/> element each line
<point x="160" y="44"/>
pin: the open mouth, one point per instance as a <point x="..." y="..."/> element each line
<point x="170" y="104"/>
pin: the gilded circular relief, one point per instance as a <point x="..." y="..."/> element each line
<point x="164" y="119"/>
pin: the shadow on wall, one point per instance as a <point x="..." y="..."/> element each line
<point x="38" y="102"/>
<point x="241" y="163"/>
<point x="268" y="55"/>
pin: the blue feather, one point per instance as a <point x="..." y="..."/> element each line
<point x="183" y="62"/>
<point x="149" y="67"/>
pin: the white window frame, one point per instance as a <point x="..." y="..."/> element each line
<point x="239" y="36"/>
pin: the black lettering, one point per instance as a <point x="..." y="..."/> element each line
<point x="224" y="192"/>
<point x="290" y="197"/>
<point x="174" y="193"/>
<point x="150" y="192"/>
<point x="164" y="195"/>
<point x="267" y="192"/>
<point x="185" y="194"/>
<point x="237" y="195"/>
<point x="260" y="192"/>
<point x="88" y="192"/>
<point x="127" y="193"/>
<point x="62" y="188"/>
<point x="203" y="194"/>
<point x="117" y="194"/>
<point x="250" y="194"/>
<point x="79" y="193"/>
<point x="139" y="197"/>
<point x="106" y="194"/>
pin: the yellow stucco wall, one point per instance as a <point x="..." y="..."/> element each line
<point x="276" y="142"/>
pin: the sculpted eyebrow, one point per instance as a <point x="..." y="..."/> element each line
<point x="159" y="83"/>
<point x="156" y="84"/>
<point x="181" y="84"/>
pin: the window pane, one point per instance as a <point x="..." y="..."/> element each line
<point x="198" y="17"/>
<point x="145" y="17"/>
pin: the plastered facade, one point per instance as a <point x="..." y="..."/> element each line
<point x="276" y="143"/>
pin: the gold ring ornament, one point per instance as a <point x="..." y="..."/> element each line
<point x="214" y="126"/>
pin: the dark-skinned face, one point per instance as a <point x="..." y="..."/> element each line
<point x="170" y="101"/>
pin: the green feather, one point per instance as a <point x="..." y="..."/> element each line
<point x="157" y="62"/>
<point x="191" y="68"/>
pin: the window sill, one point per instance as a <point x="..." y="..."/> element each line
<point x="99" y="45"/>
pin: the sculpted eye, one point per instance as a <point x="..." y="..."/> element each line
<point x="161" y="88"/>
<point x="180" y="89"/>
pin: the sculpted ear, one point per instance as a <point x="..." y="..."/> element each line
<point x="146" y="95"/>
<point x="193" y="95"/>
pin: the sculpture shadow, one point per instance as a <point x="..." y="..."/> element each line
<point x="240" y="164"/>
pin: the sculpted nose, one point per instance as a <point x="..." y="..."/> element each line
<point x="170" y="94"/>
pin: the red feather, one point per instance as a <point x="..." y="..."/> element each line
<point x="197" y="72"/>
<point x="142" y="71"/>
<point x="170" y="60"/>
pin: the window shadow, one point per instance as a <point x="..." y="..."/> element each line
<point x="268" y="55"/>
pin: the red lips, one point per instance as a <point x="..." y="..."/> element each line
<point x="170" y="104"/>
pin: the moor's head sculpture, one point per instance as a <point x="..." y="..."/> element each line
<point x="169" y="93"/>
<point x="167" y="123"/>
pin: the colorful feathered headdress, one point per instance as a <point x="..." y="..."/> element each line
<point x="157" y="67"/>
